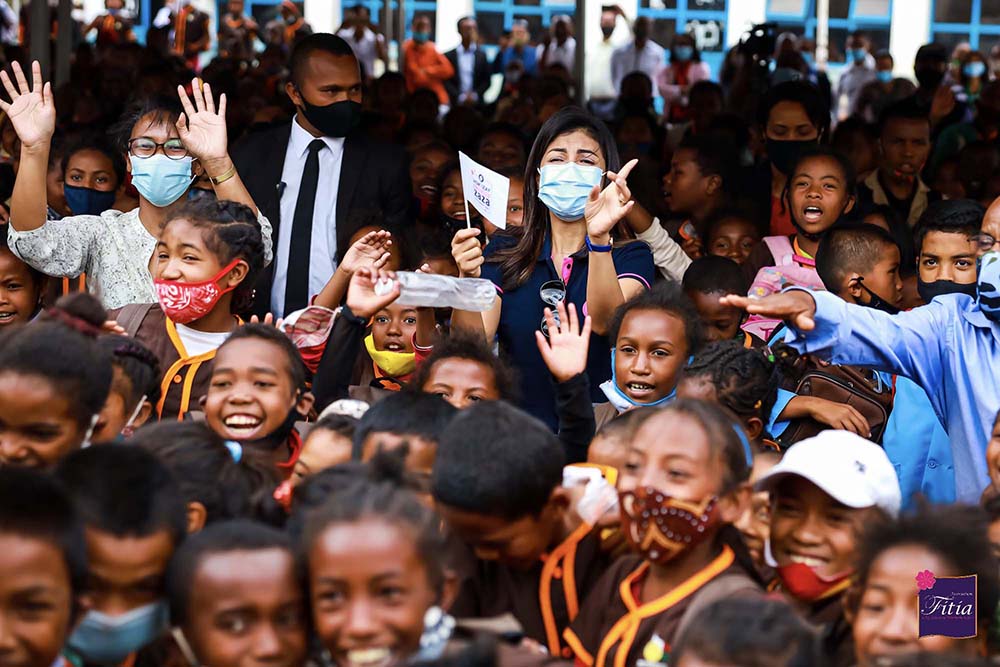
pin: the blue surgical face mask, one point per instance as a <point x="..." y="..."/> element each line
<point x="160" y="180"/>
<point x="884" y="75"/>
<point x="621" y="400"/>
<point x="564" y="188"/>
<point x="87" y="201"/>
<point x="988" y="285"/>
<point x="104" y="639"/>
<point x="421" y="37"/>
<point x="858" y="55"/>
<point x="683" y="52"/>
<point x="975" y="69"/>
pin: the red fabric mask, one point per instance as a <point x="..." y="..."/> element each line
<point x="660" y="527"/>
<point x="802" y="582"/>
<point x="186" y="302"/>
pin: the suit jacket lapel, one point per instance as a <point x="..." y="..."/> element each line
<point x="351" y="168"/>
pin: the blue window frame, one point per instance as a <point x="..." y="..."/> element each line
<point x="846" y="16"/>
<point x="704" y="19"/>
<point x="974" y="21"/>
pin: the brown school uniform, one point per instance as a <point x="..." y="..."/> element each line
<point x="615" y="629"/>
<point x="827" y="616"/>
<point x="603" y="413"/>
<point x="185" y="378"/>
<point x="543" y="599"/>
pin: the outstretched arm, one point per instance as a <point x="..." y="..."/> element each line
<point x="32" y="112"/>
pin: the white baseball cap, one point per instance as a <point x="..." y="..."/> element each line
<point x="853" y="471"/>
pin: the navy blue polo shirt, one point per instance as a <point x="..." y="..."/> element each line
<point x="523" y="310"/>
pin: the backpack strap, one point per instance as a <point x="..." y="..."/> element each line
<point x="130" y="317"/>
<point x="781" y="249"/>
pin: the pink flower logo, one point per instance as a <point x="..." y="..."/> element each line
<point x="925" y="580"/>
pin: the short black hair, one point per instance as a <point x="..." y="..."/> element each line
<point x="905" y="109"/>
<point x="140" y="367"/>
<point x="667" y="297"/>
<point x="223" y="537"/>
<point x="956" y="533"/>
<point x="953" y="216"/>
<point x="462" y="20"/>
<point x="467" y="345"/>
<point x="165" y="109"/>
<point x="932" y="51"/>
<point x="745" y="380"/>
<point x="713" y="274"/>
<point x="405" y="413"/>
<point x="318" y="42"/>
<point x="125" y="491"/>
<point x="297" y="370"/>
<point x="495" y="460"/>
<point x="714" y="156"/>
<point x="801" y="92"/>
<point x="206" y="470"/>
<point x="751" y="632"/>
<point x="101" y="146"/>
<point x="850" y="248"/>
<point x="34" y="505"/>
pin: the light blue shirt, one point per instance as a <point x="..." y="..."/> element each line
<point x="948" y="347"/>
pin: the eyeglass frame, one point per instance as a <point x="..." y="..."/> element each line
<point x="162" y="147"/>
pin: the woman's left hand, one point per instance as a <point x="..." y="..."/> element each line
<point x="606" y="208"/>
<point x="201" y="127"/>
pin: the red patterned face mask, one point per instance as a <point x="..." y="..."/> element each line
<point x="660" y="527"/>
<point x="186" y="302"/>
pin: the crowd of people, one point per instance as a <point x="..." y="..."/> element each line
<point x="722" y="388"/>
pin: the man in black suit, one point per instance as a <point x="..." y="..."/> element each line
<point x="472" y="69"/>
<point x="308" y="176"/>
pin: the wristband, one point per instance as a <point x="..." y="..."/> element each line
<point x="225" y="177"/>
<point x="599" y="248"/>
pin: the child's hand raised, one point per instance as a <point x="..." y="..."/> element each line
<point x="370" y="251"/>
<point x="468" y="252"/>
<point x="565" y="350"/>
<point x="31" y="110"/>
<point x="796" y="307"/>
<point x="362" y="297"/>
<point x="267" y="321"/>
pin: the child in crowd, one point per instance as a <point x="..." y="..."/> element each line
<point x="678" y="498"/>
<point x="749" y="633"/>
<point x="463" y="370"/>
<point x="860" y="263"/>
<point x="654" y="334"/>
<point x="93" y="177"/>
<point x="515" y="200"/>
<point x="236" y="597"/>
<point x="697" y="182"/>
<point x="218" y="480"/>
<point x="135" y="388"/>
<point x="207" y="258"/>
<point x="731" y="234"/>
<point x="258" y="392"/>
<point x="497" y="483"/>
<point x="609" y="448"/>
<point x="882" y="604"/>
<point x="946" y="253"/>
<point x="56" y="381"/>
<point x="819" y="192"/>
<point x="328" y="443"/>
<point x="823" y="491"/>
<point x="22" y="288"/>
<point x="43" y="567"/>
<point x="705" y="281"/>
<point x="134" y="517"/>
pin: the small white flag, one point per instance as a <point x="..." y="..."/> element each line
<point x="485" y="189"/>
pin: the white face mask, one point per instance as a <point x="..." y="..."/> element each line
<point x="128" y="429"/>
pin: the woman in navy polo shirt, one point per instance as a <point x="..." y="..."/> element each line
<point x="566" y="252"/>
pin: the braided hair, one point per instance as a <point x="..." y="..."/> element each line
<point x="230" y="230"/>
<point x="140" y="367"/>
<point x="745" y="380"/>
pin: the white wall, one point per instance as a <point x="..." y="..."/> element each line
<point x="446" y="35"/>
<point x="745" y="13"/>
<point x="911" y="28"/>
<point x="323" y="15"/>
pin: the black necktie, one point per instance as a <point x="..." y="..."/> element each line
<point x="297" y="285"/>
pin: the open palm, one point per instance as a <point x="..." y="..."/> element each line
<point x="201" y="128"/>
<point x="565" y="350"/>
<point x="370" y="251"/>
<point x="606" y="207"/>
<point x="31" y="110"/>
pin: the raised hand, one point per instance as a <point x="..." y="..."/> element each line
<point x="565" y="351"/>
<point x="31" y="110"/>
<point x="796" y="307"/>
<point x="468" y="252"/>
<point x="606" y="207"/>
<point x="268" y="320"/>
<point x="370" y="251"/>
<point x="362" y="298"/>
<point x="201" y="127"/>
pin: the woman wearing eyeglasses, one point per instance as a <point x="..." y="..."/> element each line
<point x="167" y="145"/>
<point x="571" y="249"/>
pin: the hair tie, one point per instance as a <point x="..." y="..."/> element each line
<point x="746" y="444"/>
<point x="235" y="450"/>
<point x="73" y="322"/>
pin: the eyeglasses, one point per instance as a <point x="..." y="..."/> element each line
<point x="984" y="242"/>
<point x="143" y="147"/>
<point x="552" y="293"/>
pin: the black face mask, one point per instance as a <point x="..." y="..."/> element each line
<point x="606" y="31"/>
<point x="877" y="302"/>
<point x="928" y="291"/>
<point x="929" y="77"/>
<point x="784" y="153"/>
<point x="333" y="120"/>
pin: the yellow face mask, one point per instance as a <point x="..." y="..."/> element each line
<point x="394" y="364"/>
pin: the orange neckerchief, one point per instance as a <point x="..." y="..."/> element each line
<point x="560" y="564"/>
<point x="180" y="29"/>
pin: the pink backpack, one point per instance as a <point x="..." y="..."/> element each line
<point x="789" y="269"/>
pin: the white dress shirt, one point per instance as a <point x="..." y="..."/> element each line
<point x="364" y="48"/>
<point x="323" y="249"/>
<point x="466" y="67"/>
<point x="648" y="60"/>
<point x="564" y="55"/>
